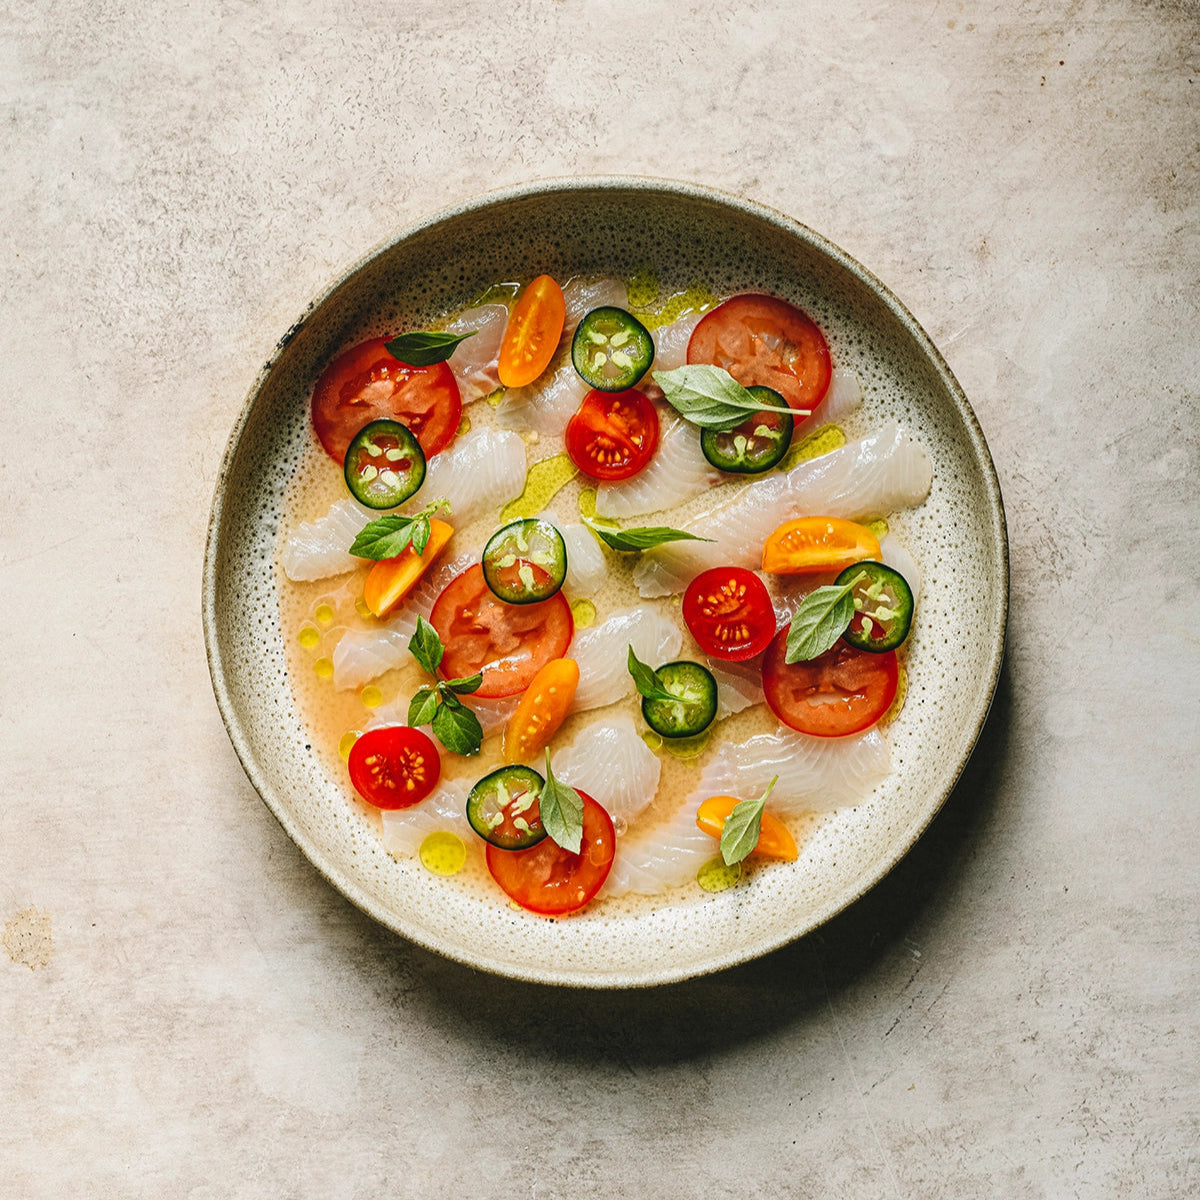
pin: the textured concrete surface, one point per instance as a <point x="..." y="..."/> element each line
<point x="187" y="1009"/>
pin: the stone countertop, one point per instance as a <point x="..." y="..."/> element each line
<point x="190" y="1010"/>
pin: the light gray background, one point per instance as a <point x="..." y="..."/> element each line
<point x="1012" y="1013"/>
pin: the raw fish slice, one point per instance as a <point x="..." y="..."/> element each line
<point x="602" y="653"/>
<point x="586" y="568"/>
<point x="896" y="556"/>
<point x="671" y="342"/>
<point x="581" y="296"/>
<point x="404" y="829"/>
<point x="843" y="397"/>
<point x="320" y="548"/>
<point x="493" y="713"/>
<point x="739" y="685"/>
<point x="886" y="470"/>
<point x="543" y="407"/>
<point x="662" y="857"/>
<point x="614" y="766"/>
<point x="364" y="654"/>
<point x="479" y="472"/>
<point x="677" y="472"/>
<point x="815" y="774"/>
<point x="474" y="362"/>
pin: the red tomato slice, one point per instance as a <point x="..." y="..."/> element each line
<point x="367" y="384"/>
<point x="549" y="880"/>
<point x="729" y="613"/>
<point x="533" y="332"/>
<point x="394" y="766"/>
<point x="843" y="691"/>
<point x="509" y="643"/>
<point x="613" y="434"/>
<point x="766" y="341"/>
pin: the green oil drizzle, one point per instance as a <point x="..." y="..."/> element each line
<point x="544" y="481"/>
<point x="825" y="439"/>
<point x="715" y="876"/>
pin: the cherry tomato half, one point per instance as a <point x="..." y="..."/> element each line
<point x="843" y="691"/>
<point x="509" y="643"/>
<point x="613" y="434"/>
<point x="549" y="880"/>
<point x="394" y="766"/>
<point x="808" y="545"/>
<point x="729" y="613"/>
<point x="367" y="384"/>
<point x="533" y="332"/>
<point x="766" y="341"/>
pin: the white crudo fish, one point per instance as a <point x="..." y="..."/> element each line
<point x="663" y="856"/>
<point x="843" y="397"/>
<point x="885" y="470"/>
<point x="364" y="654"/>
<point x="445" y="808"/>
<point x="582" y="295"/>
<point x="677" y="472"/>
<point x="815" y="774"/>
<point x="671" y="342"/>
<point x="475" y="360"/>
<point x="480" y="471"/>
<point x="739" y="685"/>
<point x="614" y="766"/>
<point x="321" y="548"/>
<point x="586" y="568"/>
<point x="544" y="407"/>
<point x="602" y="653"/>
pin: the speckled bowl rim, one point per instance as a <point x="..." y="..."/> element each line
<point x="661" y="972"/>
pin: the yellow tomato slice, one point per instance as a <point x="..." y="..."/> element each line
<point x="542" y="710"/>
<point x="534" y="329"/>
<point x="391" y="579"/>
<point x="774" y="838"/>
<point x="812" y="544"/>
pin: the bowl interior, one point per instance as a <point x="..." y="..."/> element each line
<point x="683" y="236"/>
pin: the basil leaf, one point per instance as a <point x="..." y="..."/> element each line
<point x="710" y="397"/>
<point x="644" y="537"/>
<point x="561" y="809"/>
<point x="385" y="537"/>
<point x="457" y="727"/>
<point x="464" y="687"/>
<point x="821" y="618"/>
<point x="743" y="826"/>
<point x="646" y="680"/>
<point x="422" y="707"/>
<point x="419" y="532"/>
<point x="424" y="347"/>
<point x="425" y="646"/>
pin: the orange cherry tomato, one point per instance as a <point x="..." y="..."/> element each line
<point x="774" y="838"/>
<point x="811" y="544"/>
<point x="534" y="329"/>
<point x="391" y="579"/>
<point x="542" y="710"/>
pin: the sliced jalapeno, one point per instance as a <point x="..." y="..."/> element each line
<point x="883" y="606"/>
<point x="755" y="445"/>
<point x="384" y="464"/>
<point x="611" y="349"/>
<point x="503" y="808"/>
<point x="696" y="707"/>
<point x="525" y="562"/>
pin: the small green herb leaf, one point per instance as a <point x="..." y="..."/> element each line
<point x="390" y="536"/>
<point x="464" y="687"/>
<point x="424" y="347"/>
<point x="425" y="646"/>
<point x="742" y="827"/>
<point x="820" y="619"/>
<point x="457" y="727"/>
<point x="710" y="397"/>
<point x="419" y="534"/>
<point x="644" y="537"/>
<point x="646" y="680"/>
<point x="422" y="707"/>
<point x="561" y="809"/>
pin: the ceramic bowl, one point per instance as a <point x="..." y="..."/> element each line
<point x="686" y="234"/>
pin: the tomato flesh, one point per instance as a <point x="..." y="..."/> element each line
<point x="774" y="838"/>
<point x="394" y="766"/>
<point x="843" y="691"/>
<point x="613" y="435"/>
<point x="766" y="341"/>
<point x="552" y="881"/>
<point x="809" y="545"/>
<point x="542" y="710"/>
<point x="367" y="383"/>
<point x="509" y="643"/>
<point x="533" y="332"/>
<point x="729" y="613"/>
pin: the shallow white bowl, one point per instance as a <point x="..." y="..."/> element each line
<point x="688" y="234"/>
